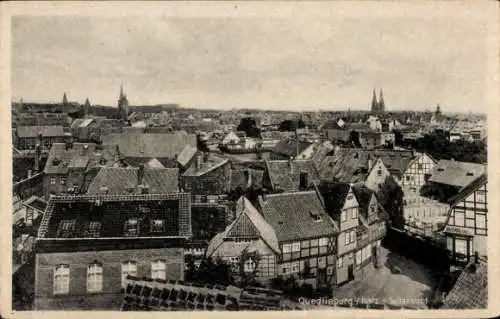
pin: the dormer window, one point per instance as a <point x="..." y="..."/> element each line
<point x="440" y="169"/>
<point x="315" y="216"/>
<point x="132" y="228"/>
<point x="157" y="226"/>
<point x="66" y="228"/>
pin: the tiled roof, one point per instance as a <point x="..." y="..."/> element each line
<point x="285" y="175"/>
<point x="290" y="146"/>
<point x="62" y="157"/>
<point x="33" y="131"/>
<point x="334" y="196"/>
<point x="346" y="165"/>
<point x="396" y="161"/>
<point x="36" y="203"/>
<point x="206" y="165"/>
<point x="457" y="174"/>
<point x="119" y="180"/>
<point x="186" y="155"/>
<point x="112" y="216"/>
<point x="363" y="196"/>
<point x="161" y="145"/>
<point x="246" y="178"/>
<point x="470" y="290"/>
<point x="148" y="294"/>
<point x="292" y="215"/>
<point x="469" y="189"/>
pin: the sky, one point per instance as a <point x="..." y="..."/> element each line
<point x="270" y="62"/>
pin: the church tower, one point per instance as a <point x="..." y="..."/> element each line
<point x="123" y="107"/>
<point x="65" y="99"/>
<point x="374" y="103"/>
<point x="381" y="103"/>
<point x="86" y="107"/>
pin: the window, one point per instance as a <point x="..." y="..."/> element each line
<point x="52" y="180"/>
<point x="287" y="248"/>
<point x="157" y="226"/>
<point x="296" y="247"/>
<point x="469" y="214"/>
<point x="323" y="241"/>
<point x="93" y="229"/>
<point x="295" y="267"/>
<point x="94" y="277"/>
<point x="321" y="262"/>
<point x="469" y="223"/>
<point x="407" y="178"/>
<point x="347" y="238"/>
<point x="129" y="268"/>
<point x="354" y="213"/>
<point x="420" y="166"/>
<point x="315" y="216"/>
<point x="340" y="262"/>
<point x="329" y="270"/>
<point x="344" y="216"/>
<point x="249" y="265"/>
<point x="61" y="279"/>
<point x="349" y="197"/>
<point x="358" y="257"/>
<point x="63" y="180"/>
<point x="159" y="269"/>
<point x="132" y="227"/>
<point x="379" y="172"/>
<point x="66" y="228"/>
<point x="461" y="246"/>
<point x="285" y="268"/>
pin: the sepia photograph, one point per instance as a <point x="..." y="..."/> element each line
<point x="229" y="156"/>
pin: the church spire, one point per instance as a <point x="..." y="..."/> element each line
<point x="65" y="99"/>
<point x="374" y="102"/>
<point x="381" y="102"/>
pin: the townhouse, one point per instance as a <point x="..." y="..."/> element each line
<point x="88" y="245"/>
<point x="27" y="137"/>
<point x="293" y="236"/>
<point x="289" y="175"/>
<point x="71" y="166"/>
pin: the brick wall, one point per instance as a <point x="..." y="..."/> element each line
<point x="111" y="261"/>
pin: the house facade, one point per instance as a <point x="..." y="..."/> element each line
<point x="466" y="229"/>
<point x="83" y="259"/>
<point x="415" y="173"/>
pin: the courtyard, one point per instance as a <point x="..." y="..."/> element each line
<point x="411" y="287"/>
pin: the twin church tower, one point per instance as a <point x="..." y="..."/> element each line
<point x="378" y="106"/>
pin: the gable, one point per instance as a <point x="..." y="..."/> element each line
<point x="243" y="228"/>
<point x="350" y="200"/>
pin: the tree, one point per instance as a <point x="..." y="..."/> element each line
<point x="249" y="126"/>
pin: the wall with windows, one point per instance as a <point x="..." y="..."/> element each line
<point x="472" y="214"/>
<point x="342" y="266"/>
<point x="377" y="176"/>
<point x="93" y="279"/>
<point x="415" y="173"/>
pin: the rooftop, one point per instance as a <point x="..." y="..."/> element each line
<point x="296" y="215"/>
<point x="470" y="290"/>
<point x="46" y="131"/>
<point x="116" y="216"/>
<point x="285" y="174"/>
<point x="456" y="174"/>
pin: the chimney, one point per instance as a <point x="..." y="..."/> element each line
<point x="248" y="178"/>
<point x="117" y="153"/>
<point x="140" y="175"/>
<point x="40" y="138"/>
<point x="206" y="156"/>
<point x="370" y="162"/>
<point x="303" y="180"/>
<point x="476" y="258"/>
<point x="38" y="154"/>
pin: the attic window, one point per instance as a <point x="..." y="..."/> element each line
<point x="315" y="215"/>
<point x="132" y="228"/>
<point x="66" y="228"/>
<point x="440" y="169"/>
<point x="157" y="226"/>
<point x="93" y="229"/>
<point x="470" y="174"/>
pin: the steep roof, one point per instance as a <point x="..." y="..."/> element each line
<point x="346" y="165"/>
<point x="158" y="145"/>
<point x="118" y="180"/>
<point x="106" y="216"/>
<point x="285" y="174"/>
<point x="64" y="157"/>
<point x="396" y="161"/>
<point x="292" y="215"/>
<point x="33" y="131"/>
<point x="364" y="196"/>
<point x="246" y="212"/>
<point x="457" y="174"/>
<point x="470" y="290"/>
<point x="334" y="195"/>
<point x="187" y="153"/>
<point x="290" y="146"/>
<point x="207" y="164"/>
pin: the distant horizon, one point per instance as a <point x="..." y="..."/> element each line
<point x="294" y="61"/>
